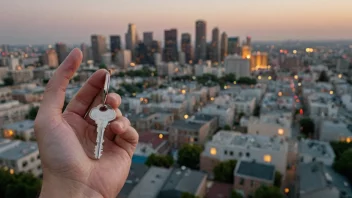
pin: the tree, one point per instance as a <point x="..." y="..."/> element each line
<point x="223" y="172"/>
<point x="188" y="195"/>
<point x="323" y="77"/>
<point x="160" y="161"/>
<point x="268" y="192"/>
<point x="307" y="126"/>
<point x="33" y="113"/>
<point x="256" y="111"/>
<point x="8" y="81"/>
<point x="240" y="115"/>
<point x="235" y="194"/>
<point x="340" y="148"/>
<point x="189" y="156"/>
<point x="278" y="179"/>
<point x="343" y="164"/>
<point x="229" y="78"/>
<point x="247" y="81"/>
<point x="102" y="66"/>
<point x="227" y="128"/>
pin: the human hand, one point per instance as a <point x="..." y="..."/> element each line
<point x="67" y="140"/>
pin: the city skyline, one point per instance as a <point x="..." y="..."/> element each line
<point x="270" y="20"/>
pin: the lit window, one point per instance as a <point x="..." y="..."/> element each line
<point x="213" y="151"/>
<point x="280" y="131"/>
<point x="12" y="171"/>
<point x="348" y="140"/>
<point x="161" y="136"/>
<point x="267" y="158"/>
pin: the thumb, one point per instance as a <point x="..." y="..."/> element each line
<point x="54" y="96"/>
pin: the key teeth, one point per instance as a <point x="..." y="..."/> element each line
<point x="96" y="153"/>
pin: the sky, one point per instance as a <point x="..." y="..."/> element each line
<point x="73" y="21"/>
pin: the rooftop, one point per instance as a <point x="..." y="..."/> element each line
<point x="219" y="190"/>
<point x="28" y="91"/>
<point x="204" y="117"/>
<point x="186" y="125"/>
<point x="316" y="148"/>
<point x="20" y="126"/>
<point x="337" y="127"/>
<point x="14" y="150"/>
<point x="255" y="170"/>
<point x="137" y="171"/>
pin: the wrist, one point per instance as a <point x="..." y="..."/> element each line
<point x="54" y="187"/>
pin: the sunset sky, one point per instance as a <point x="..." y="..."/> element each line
<point x="73" y="21"/>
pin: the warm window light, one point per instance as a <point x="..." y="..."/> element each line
<point x="212" y="98"/>
<point x="259" y="77"/>
<point x="340" y="75"/>
<point x="280" y="131"/>
<point x="331" y="92"/>
<point x="348" y="140"/>
<point x="279" y="94"/>
<point x="248" y="56"/>
<point x="269" y="78"/>
<point x="12" y="171"/>
<point x="234" y="82"/>
<point x="134" y="94"/>
<point x="186" y="116"/>
<point x="132" y="64"/>
<point x="295" y="51"/>
<point x="161" y="136"/>
<point x="267" y="158"/>
<point x="141" y="99"/>
<point x="299" y="84"/>
<point x="183" y="91"/>
<point x="225" y="87"/>
<point x="296" y="77"/>
<point x="213" y="151"/>
<point x="8" y="133"/>
<point x="287" y="190"/>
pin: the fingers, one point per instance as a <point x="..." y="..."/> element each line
<point x="127" y="136"/>
<point x="54" y="95"/>
<point x="91" y="90"/>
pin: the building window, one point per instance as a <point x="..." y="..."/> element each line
<point x="257" y="132"/>
<point x="252" y="183"/>
<point x="38" y="157"/>
<point x="195" y="139"/>
<point x="314" y="159"/>
<point x="240" y="154"/>
<point x="241" y="181"/>
<point x="280" y="131"/>
<point x="225" y="152"/>
<point x="32" y="159"/>
<point x="213" y="151"/>
<point x="248" y="154"/>
<point x="24" y="164"/>
<point x="39" y="167"/>
<point x="231" y="153"/>
<point x="267" y="158"/>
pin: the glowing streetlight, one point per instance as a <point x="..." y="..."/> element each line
<point x="296" y="77"/>
<point x="299" y="84"/>
<point x="269" y="78"/>
<point x="279" y="94"/>
<point x="294" y="51"/>
<point x="340" y="76"/>
<point x="161" y="136"/>
<point x="234" y="82"/>
<point x="259" y="77"/>
<point x="186" y="116"/>
<point x="331" y="92"/>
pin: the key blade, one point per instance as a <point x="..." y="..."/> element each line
<point x="101" y="125"/>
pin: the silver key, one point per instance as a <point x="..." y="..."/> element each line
<point x="102" y="115"/>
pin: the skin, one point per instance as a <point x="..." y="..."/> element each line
<point x="67" y="140"/>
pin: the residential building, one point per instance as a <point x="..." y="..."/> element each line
<point x="23" y="129"/>
<point x="125" y="58"/>
<point x="236" y="65"/>
<point x="151" y="143"/>
<point x="250" y="175"/>
<point x="322" y="105"/>
<point x="274" y="125"/>
<point x="17" y="156"/>
<point x="13" y="111"/>
<point x="186" y="47"/>
<point x="136" y="173"/>
<point x="14" y="63"/>
<point x="62" y="52"/>
<point x="106" y="59"/>
<point x="335" y="131"/>
<point x="227" y="145"/>
<point x="316" y="180"/>
<point x="210" y="120"/>
<point x="316" y="151"/>
<point x="98" y="47"/>
<point x="224" y="46"/>
<point x="201" y="41"/>
<point x="21" y="76"/>
<point x="170" y="46"/>
<point x="182" y="58"/>
<point x="187" y="132"/>
<point x="245" y="105"/>
<point x="178" y="109"/>
<point x="233" y="46"/>
<point x="219" y="190"/>
<point x="259" y="60"/>
<point x="157" y="59"/>
<point x="215" y="46"/>
<point x="5" y="93"/>
<point x="28" y="95"/>
<point x="343" y="65"/>
<point x="225" y="114"/>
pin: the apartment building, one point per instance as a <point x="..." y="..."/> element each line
<point x="23" y="129"/>
<point x="13" y="111"/>
<point x="316" y="151"/>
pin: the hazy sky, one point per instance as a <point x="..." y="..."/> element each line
<point x="73" y="21"/>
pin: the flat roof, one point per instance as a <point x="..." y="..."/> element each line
<point x="186" y="125"/>
<point x="20" y="126"/>
<point x="204" y="117"/>
<point x="137" y="171"/>
<point x="15" y="150"/>
<point x="316" y="148"/>
<point x="255" y="170"/>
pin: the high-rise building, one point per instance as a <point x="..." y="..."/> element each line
<point x="115" y="46"/>
<point x="248" y="41"/>
<point x="85" y="52"/>
<point x="215" y="45"/>
<point x="181" y="57"/>
<point x="5" y="49"/>
<point x="246" y="51"/>
<point x="201" y="41"/>
<point x="131" y="37"/>
<point x="233" y="45"/>
<point x="98" y="47"/>
<point x="170" y="48"/>
<point x="142" y="55"/>
<point x="224" y="46"/>
<point x="156" y="47"/>
<point x="50" y="58"/>
<point x="148" y="39"/>
<point x="186" y="47"/>
<point x="124" y="57"/>
<point x="259" y="60"/>
<point x="61" y="50"/>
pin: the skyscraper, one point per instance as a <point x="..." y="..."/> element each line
<point x="201" y="41"/>
<point x="156" y="47"/>
<point x="61" y="50"/>
<point x="170" y="48"/>
<point x="51" y="58"/>
<point x="248" y="41"/>
<point x="124" y="57"/>
<point x="85" y="52"/>
<point x="215" y="45"/>
<point x="98" y="47"/>
<point x="186" y="47"/>
<point x="246" y="51"/>
<point x="148" y="39"/>
<point x="224" y="46"/>
<point x="259" y="60"/>
<point x="115" y="46"/>
<point x="131" y="38"/>
<point x="233" y="45"/>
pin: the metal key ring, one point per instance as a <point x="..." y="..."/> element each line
<point x="106" y="87"/>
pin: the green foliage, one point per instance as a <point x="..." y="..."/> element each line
<point x="268" y="192"/>
<point x="227" y="128"/>
<point x="343" y="164"/>
<point x="229" y="78"/>
<point x="165" y="161"/>
<point x="323" y="77"/>
<point x="33" y="113"/>
<point x="235" y="194"/>
<point x="102" y="66"/>
<point x="144" y="72"/>
<point x="121" y="74"/>
<point x="120" y="92"/>
<point x="307" y="126"/>
<point x="256" y="111"/>
<point x="22" y="185"/>
<point x="207" y="79"/>
<point x="278" y="179"/>
<point x="45" y="81"/>
<point x="340" y="148"/>
<point x="76" y="78"/>
<point x="189" y="156"/>
<point x="8" y="81"/>
<point x="188" y="195"/>
<point x="247" y="81"/>
<point x="240" y="115"/>
<point x="182" y="78"/>
<point x="223" y="172"/>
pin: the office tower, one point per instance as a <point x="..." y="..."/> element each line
<point x="115" y="46"/>
<point x="61" y="50"/>
<point x="186" y="47"/>
<point x="246" y="51"/>
<point x="106" y="59"/>
<point x="51" y="58"/>
<point x="170" y="48"/>
<point x="85" y="52"/>
<point x="148" y="39"/>
<point x="98" y="47"/>
<point x="156" y="47"/>
<point x="259" y="60"/>
<point x="224" y="46"/>
<point x="124" y="57"/>
<point x="157" y="58"/>
<point x="233" y="45"/>
<point x="142" y="55"/>
<point x="182" y="58"/>
<point x="215" y="45"/>
<point x="236" y="65"/>
<point x="209" y="52"/>
<point x="248" y="41"/>
<point x="131" y="37"/>
<point x="201" y="41"/>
